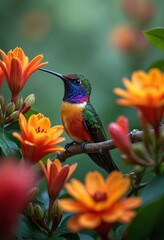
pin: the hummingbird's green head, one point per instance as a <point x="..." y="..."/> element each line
<point x="77" y="87"/>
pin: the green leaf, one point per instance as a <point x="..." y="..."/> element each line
<point x="71" y="236"/>
<point x="62" y="229"/>
<point x="7" y="141"/>
<point x="156" y="37"/>
<point x="159" y="64"/>
<point x="29" y="230"/>
<point x="148" y="223"/>
<point x="30" y="112"/>
<point x="119" y="232"/>
<point x="85" y="237"/>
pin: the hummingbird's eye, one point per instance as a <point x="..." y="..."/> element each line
<point x="78" y="81"/>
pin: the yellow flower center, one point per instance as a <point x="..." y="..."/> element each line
<point x="99" y="196"/>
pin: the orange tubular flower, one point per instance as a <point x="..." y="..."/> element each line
<point x="2" y="77"/>
<point x="56" y="176"/>
<point x="17" y="69"/>
<point x="146" y="92"/>
<point x="38" y="137"/>
<point x="99" y="203"/>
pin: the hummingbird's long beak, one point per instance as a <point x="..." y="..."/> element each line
<point x="54" y="73"/>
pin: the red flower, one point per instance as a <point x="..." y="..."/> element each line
<point x="15" y="184"/>
<point x="119" y="133"/>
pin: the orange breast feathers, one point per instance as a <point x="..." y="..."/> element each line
<point x="73" y="121"/>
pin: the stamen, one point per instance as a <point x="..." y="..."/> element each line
<point x="100" y="196"/>
<point x="38" y="130"/>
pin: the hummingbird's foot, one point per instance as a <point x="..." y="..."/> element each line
<point x="69" y="145"/>
<point x="82" y="146"/>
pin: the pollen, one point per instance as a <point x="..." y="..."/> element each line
<point x="39" y="130"/>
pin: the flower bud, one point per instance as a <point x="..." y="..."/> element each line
<point x="139" y="170"/>
<point x="126" y="159"/>
<point x="139" y="150"/>
<point x="29" y="209"/>
<point x="10" y="108"/>
<point x="56" y="210"/>
<point x="56" y="213"/>
<point x="18" y="103"/>
<point x="2" y="100"/>
<point x="30" y="100"/>
<point x="38" y="212"/>
<point x="14" y="115"/>
<point x="33" y="193"/>
<point x="119" y="133"/>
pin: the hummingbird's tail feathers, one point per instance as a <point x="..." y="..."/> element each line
<point x="104" y="161"/>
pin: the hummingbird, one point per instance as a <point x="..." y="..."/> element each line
<point x="80" y="120"/>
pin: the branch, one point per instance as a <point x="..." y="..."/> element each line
<point x="100" y="147"/>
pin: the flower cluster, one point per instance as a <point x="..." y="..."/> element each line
<point x="129" y="38"/>
<point x="16" y="69"/>
<point x="145" y="92"/>
<point x="99" y="204"/>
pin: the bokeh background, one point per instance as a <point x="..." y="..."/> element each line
<point x="102" y="39"/>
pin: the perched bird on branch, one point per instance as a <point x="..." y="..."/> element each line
<point x="80" y="120"/>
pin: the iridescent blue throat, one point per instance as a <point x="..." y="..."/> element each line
<point x="74" y="94"/>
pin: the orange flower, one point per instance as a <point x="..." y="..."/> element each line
<point x="17" y="69"/>
<point x="123" y="38"/>
<point x="2" y="77"/>
<point x="38" y="137"/>
<point x="99" y="201"/>
<point x="146" y="92"/>
<point x="56" y="176"/>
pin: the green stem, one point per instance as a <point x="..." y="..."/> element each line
<point x="157" y="150"/>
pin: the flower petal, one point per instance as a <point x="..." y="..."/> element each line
<point x="71" y="205"/>
<point x="94" y="182"/>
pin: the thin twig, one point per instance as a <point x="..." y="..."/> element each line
<point x="135" y="136"/>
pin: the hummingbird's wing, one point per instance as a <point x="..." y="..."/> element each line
<point x="95" y="128"/>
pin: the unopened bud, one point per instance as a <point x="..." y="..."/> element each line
<point x="2" y="100"/>
<point x="126" y="159"/>
<point x="30" y="100"/>
<point x="14" y="115"/>
<point x="18" y="103"/>
<point x="161" y="138"/>
<point x="139" y="170"/>
<point x="10" y="108"/>
<point x="139" y="150"/>
<point x="56" y="213"/>
<point x="33" y="193"/>
<point x="30" y="209"/>
<point x="56" y="209"/>
<point x="38" y="212"/>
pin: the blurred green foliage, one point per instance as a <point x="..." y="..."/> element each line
<point x="74" y="37"/>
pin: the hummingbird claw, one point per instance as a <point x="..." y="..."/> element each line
<point x="132" y="134"/>
<point x="69" y="145"/>
<point x="102" y="151"/>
